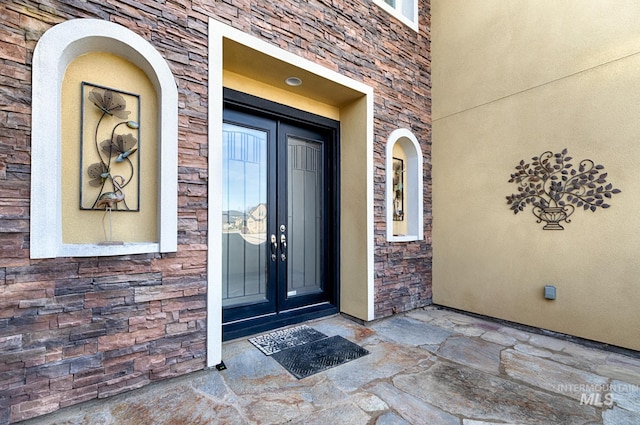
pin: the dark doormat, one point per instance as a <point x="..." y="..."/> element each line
<point x="276" y="341"/>
<point x="313" y="357"/>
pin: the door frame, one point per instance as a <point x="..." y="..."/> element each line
<point x="346" y="99"/>
<point x="282" y="114"/>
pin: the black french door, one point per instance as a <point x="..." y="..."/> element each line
<point x="280" y="221"/>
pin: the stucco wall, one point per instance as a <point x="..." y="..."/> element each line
<point x="87" y="226"/>
<point x="512" y="80"/>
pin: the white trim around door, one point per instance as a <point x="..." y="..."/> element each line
<point x="356" y="215"/>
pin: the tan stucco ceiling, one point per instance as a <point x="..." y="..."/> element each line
<point x="253" y="64"/>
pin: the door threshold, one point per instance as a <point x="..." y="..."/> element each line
<point x="255" y="325"/>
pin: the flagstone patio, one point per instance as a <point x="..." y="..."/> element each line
<point x="428" y="366"/>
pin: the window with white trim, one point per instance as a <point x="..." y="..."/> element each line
<point x="404" y="10"/>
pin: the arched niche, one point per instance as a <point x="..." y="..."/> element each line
<point x="56" y="49"/>
<point x="404" y="189"/>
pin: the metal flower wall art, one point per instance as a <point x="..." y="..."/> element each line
<point x="110" y="177"/>
<point x="555" y="188"/>
<point x="398" y="189"/>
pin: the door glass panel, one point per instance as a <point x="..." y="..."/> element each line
<point x="244" y="220"/>
<point x="305" y="209"/>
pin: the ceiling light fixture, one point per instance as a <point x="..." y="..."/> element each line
<point x="293" y="81"/>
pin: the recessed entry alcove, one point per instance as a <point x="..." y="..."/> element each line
<point x="249" y="65"/>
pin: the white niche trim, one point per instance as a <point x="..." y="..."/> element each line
<point x="55" y="50"/>
<point x="413" y="186"/>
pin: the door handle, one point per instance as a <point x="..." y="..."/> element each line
<point x="283" y="247"/>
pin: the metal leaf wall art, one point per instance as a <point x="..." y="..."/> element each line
<point x="398" y="189"/>
<point x="110" y="158"/>
<point x="555" y="188"/>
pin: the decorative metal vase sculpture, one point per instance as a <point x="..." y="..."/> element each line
<point x="555" y="188"/>
<point x="112" y="174"/>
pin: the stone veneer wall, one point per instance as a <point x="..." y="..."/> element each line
<point x="74" y="329"/>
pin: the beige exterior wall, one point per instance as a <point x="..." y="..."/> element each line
<point x="356" y="298"/>
<point x="510" y="81"/>
<point x="84" y="226"/>
<point x="400" y="227"/>
<point x="248" y="85"/>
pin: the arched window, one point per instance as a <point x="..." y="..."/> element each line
<point x="404" y="194"/>
<point x="58" y="48"/>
